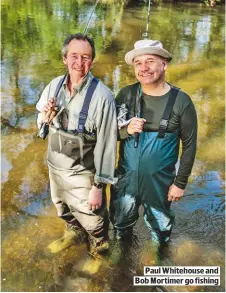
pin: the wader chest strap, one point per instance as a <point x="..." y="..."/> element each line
<point x="165" y="118"/>
<point x="59" y="85"/>
<point x="84" y="112"/>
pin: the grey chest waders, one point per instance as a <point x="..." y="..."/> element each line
<point x="145" y="174"/>
<point x="76" y="147"/>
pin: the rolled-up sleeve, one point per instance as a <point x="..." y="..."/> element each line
<point x="105" y="149"/>
<point x="41" y="103"/>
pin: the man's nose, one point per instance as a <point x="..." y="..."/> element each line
<point x="144" y="67"/>
<point x="79" y="60"/>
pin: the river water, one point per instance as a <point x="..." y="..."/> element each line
<point x="32" y="36"/>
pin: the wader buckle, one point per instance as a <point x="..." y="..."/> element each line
<point x="163" y="124"/>
<point x="162" y="128"/>
<point x="82" y="115"/>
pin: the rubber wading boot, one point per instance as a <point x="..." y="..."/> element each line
<point x="98" y="248"/>
<point x="71" y="236"/>
<point x="116" y="252"/>
<point x="124" y="241"/>
<point x="150" y="253"/>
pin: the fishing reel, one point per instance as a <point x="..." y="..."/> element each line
<point x="145" y="35"/>
<point x="44" y="130"/>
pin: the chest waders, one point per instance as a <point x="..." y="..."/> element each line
<point x="145" y="174"/>
<point x="74" y="149"/>
<point x="71" y="171"/>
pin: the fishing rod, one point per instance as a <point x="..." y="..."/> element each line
<point x="139" y="91"/>
<point x="145" y="34"/>
<point x="44" y="129"/>
<point x="87" y="25"/>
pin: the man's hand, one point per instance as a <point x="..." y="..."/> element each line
<point x="49" y="111"/>
<point x="95" y="198"/>
<point x="175" y="193"/>
<point x="135" y="125"/>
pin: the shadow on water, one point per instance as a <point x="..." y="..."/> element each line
<point x="32" y="36"/>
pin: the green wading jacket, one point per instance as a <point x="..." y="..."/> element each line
<point x="101" y="120"/>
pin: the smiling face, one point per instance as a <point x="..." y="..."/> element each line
<point x="78" y="58"/>
<point x="150" y="69"/>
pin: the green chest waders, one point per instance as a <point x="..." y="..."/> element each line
<point x="145" y="174"/>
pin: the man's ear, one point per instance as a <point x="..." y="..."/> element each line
<point x="65" y="60"/>
<point x="91" y="65"/>
<point x="165" y="64"/>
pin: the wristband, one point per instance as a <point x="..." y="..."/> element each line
<point x="98" y="185"/>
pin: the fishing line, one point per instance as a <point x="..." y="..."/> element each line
<point x="139" y="92"/>
<point x="142" y="18"/>
<point x="87" y="25"/>
<point x="44" y="129"/>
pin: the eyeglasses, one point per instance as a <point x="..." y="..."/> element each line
<point x="77" y="57"/>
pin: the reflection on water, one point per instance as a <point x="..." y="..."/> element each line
<point x="33" y="32"/>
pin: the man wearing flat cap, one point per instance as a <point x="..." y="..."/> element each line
<point x="153" y="117"/>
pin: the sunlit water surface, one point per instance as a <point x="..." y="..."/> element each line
<point x="33" y="32"/>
